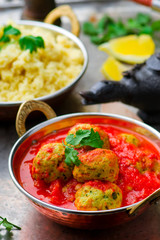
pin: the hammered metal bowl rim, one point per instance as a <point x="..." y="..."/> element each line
<point x="71" y="36"/>
<point x="56" y="119"/>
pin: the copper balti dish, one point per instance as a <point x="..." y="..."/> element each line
<point x="8" y="110"/>
<point x="75" y="218"/>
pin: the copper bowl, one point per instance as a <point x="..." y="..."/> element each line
<point x="8" y="110"/>
<point x="76" y="218"/>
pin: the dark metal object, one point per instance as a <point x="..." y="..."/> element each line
<point x="74" y="218"/>
<point x="140" y="87"/>
<point x="154" y="62"/>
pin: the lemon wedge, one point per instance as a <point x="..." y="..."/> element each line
<point x="112" y="69"/>
<point x="130" y="49"/>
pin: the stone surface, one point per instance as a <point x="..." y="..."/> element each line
<point x="15" y="207"/>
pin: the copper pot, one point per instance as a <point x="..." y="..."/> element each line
<point x="76" y="218"/>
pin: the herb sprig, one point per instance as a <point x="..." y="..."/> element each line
<point x="71" y="156"/>
<point x="32" y="43"/>
<point x="78" y="140"/>
<point x="9" y="31"/>
<point x="8" y="225"/>
<point x="85" y="138"/>
<point x="107" y="28"/>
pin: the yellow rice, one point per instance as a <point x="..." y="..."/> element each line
<point x="25" y="75"/>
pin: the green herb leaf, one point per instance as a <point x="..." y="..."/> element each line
<point x="85" y="138"/>
<point x="76" y="139"/>
<point x="93" y="140"/>
<point x="4" y="39"/>
<point x="118" y="29"/>
<point x="132" y="26"/>
<point x="89" y="28"/>
<point x="156" y="25"/>
<point x="9" y="30"/>
<point x="107" y="28"/>
<point x="146" y="30"/>
<point x="98" y="40"/>
<point x="31" y="42"/>
<point x="104" y="22"/>
<point x="143" y="18"/>
<point x="81" y="138"/>
<point x="8" y="225"/>
<point x="71" y="156"/>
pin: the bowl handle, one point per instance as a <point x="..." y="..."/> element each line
<point x="153" y="198"/>
<point x="67" y="11"/>
<point x="26" y="108"/>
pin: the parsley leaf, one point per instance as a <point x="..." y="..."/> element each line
<point x="103" y="22"/>
<point x="7" y="31"/>
<point x="85" y="138"/>
<point x="89" y="28"/>
<point x="93" y="140"/>
<point x="143" y="18"/>
<point x="156" y="25"/>
<point x="81" y="138"/>
<point x="71" y="156"/>
<point x="26" y="42"/>
<point x="8" y="225"/>
<point x="31" y="42"/>
<point x="75" y="140"/>
<point x="107" y="28"/>
<point x="4" y="38"/>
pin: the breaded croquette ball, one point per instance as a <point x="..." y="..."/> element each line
<point x="148" y="162"/>
<point x="97" y="195"/>
<point x="100" y="164"/>
<point x="49" y="163"/>
<point x="102" y="133"/>
<point x="130" y="138"/>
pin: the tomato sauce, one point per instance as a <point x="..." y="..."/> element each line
<point x="135" y="185"/>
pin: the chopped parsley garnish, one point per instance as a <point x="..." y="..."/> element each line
<point x="4" y="39"/>
<point x="8" y="225"/>
<point x="85" y="138"/>
<point x="81" y="138"/>
<point x="31" y="42"/>
<point x="71" y="156"/>
<point x="75" y="140"/>
<point x="7" y="32"/>
<point x="26" y="42"/>
<point x="108" y="28"/>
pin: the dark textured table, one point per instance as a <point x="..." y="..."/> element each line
<point x="16" y="208"/>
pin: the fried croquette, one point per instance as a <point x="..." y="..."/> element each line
<point x="49" y="163"/>
<point x="97" y="195"/>
<point x="100" y="164"/>
<point x="130" y="138"/>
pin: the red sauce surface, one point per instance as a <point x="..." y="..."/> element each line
<point x="134" y="185"/>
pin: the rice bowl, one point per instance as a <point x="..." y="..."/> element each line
<point x="25" y="75"/>
<point x="8" y="110"/>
